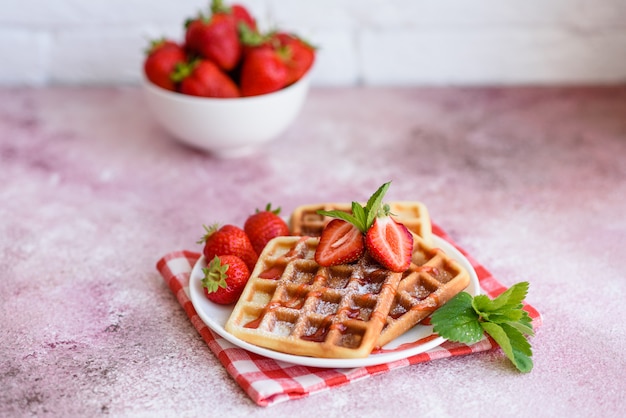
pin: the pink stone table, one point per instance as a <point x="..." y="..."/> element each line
<point x="530" y="181"/>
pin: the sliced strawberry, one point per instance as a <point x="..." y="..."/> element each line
<point x="390" y="243"/>
<point x="341" y="242"/>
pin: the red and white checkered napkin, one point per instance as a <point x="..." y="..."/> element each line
<point x="268" y="381"/>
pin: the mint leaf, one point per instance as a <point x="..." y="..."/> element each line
<point x="360" y="216"/>
<point x="503" y="315"/>
<point x="465" y="319"/>
<point x="513" y="343"/>
<point x="510" y="299"/>
<point x="524" y="325"/>
<point x="338" y="214"/>
<point x="374" y="202"/>
<point x="457" y="320"/>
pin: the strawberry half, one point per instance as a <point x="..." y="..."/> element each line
<point x="371" y="227"/>
<point x="390" y="243"/>
<point x="340" y="243"/>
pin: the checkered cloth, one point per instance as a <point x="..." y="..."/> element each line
<point x="269" y="381"/>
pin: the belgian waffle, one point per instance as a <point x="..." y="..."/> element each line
<point x="293" y="305"/>
<point x="305" y="221"/>
<point x="432" y="280"/>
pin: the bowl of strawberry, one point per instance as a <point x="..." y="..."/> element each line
<point x="227" y="88"/>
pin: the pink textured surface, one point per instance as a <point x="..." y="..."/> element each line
<point x="532" y="182"/>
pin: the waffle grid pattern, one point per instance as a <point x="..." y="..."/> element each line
<point x="293" y="305"/>
<point x="432" y="280"/>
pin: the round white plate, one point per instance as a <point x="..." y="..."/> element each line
<point x="418" y="339"/>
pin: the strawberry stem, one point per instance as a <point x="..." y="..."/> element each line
<point x="215" y="275"/>
<point x="210" y="230"/>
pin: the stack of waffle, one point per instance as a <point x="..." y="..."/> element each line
<point x="293" y="305"/>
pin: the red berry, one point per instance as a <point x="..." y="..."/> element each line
<point x="228" y="240"/>
<point x="224" y="279"/>
<point x="341" y="242"/>
<point x="390" y="243"/>
<point x="215" y="38"/>
<point x="162" y="59"/>
<point x="264" y="225"/>
<point x="300" y="56"/>
<point x="205" y="79"/>
<point x="242" y="15"/>
<point x="263" y="71"/>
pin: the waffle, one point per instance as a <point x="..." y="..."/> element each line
<point x="305" y="221"/>
<point x="432" y="280"/>
<point x="292" y="305"/>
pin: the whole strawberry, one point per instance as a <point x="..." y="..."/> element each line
<point x="263" y="71"/>
<point x="203" y="78"/>
<point x="215" y="37"/>
<point x="300" y="56"/>
<point x="264" y="225"/>
<point x="163" y="57"/>
<point x="224" y="279"/>
<point x="243" y="16"/>
<point x="228" y="240"/>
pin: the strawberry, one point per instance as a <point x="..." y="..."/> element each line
<point x="215" y="37"/>
<point x="224" y="279"/>
<point x="228" y="240"/>
<point x="204" y="78"/>
<point x="390" y="243"/>
<point x="340" y="243"/>
<point x="264" y="225"/>
<point x="301" y="55"/>
<point x="163" y="57"/>
<point x="387" y="241"/>
<point x="242" y="15"/>
<point x="263" y="71"/>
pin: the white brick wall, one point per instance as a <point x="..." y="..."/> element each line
<point x="372" y="42"/>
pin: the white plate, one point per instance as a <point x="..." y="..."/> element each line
<point x="418" y="339"/>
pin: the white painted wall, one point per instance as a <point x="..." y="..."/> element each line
<point x="369" y="42"/>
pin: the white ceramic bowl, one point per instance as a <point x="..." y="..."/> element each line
<point x="227" y="127"/>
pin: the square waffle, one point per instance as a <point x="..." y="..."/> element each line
<point x="293" y="305"/>
<point x="432" y="280"/>
<point x="305" y="221"/>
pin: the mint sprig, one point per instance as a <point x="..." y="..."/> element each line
<point x="465" y="319"/>
<point x="362" y="216"/>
